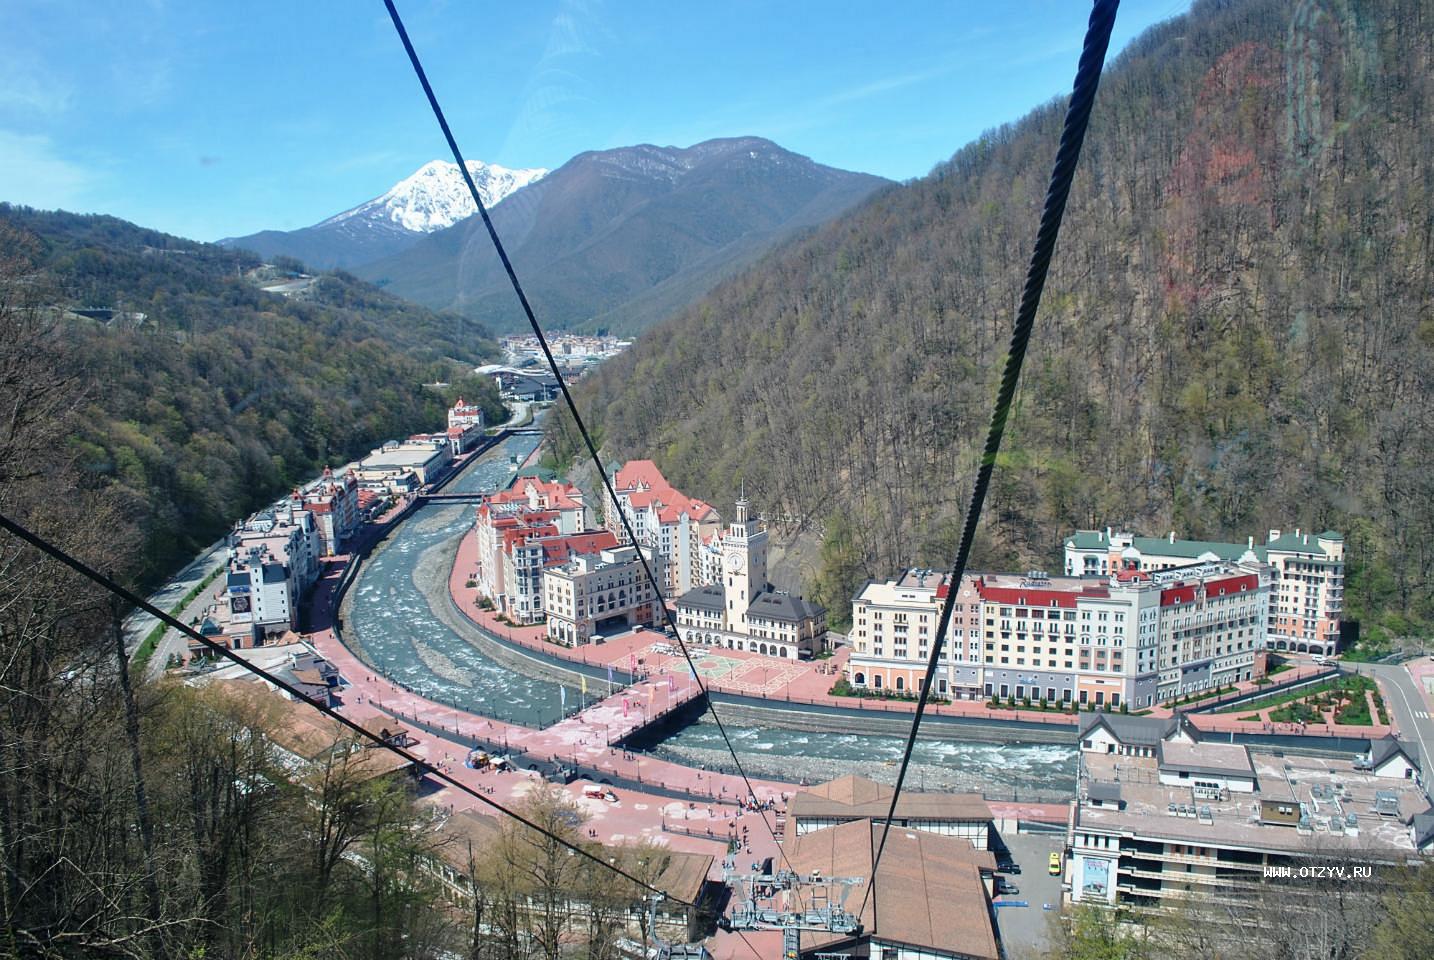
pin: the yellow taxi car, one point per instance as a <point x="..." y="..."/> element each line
<point x="1055" y="869"/>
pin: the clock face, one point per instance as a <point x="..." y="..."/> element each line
<point x="734" y="559"/>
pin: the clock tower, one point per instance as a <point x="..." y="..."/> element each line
<point x="744" y="559"/>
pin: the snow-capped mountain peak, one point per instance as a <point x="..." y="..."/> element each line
<point x="435" y="196"/>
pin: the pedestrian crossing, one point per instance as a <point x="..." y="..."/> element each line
<point x="1422" y="715"/>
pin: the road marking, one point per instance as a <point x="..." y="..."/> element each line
<point x="1394" y="679"/>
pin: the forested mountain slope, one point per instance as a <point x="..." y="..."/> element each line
<point x="203" y="397"/>
<point x="1237" y="332"/>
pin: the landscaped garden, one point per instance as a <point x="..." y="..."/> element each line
<point x="1342" y="700"/>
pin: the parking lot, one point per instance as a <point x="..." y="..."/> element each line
<point x="1025" y="930"/>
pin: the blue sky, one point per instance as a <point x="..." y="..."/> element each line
<point x="211" y="119"/>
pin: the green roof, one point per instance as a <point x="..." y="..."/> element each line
<point x="1087" y="540"/>
<point x="1186" y="549"/>
<point x="1304" y="543"/>
<point x="1192" y="549"/>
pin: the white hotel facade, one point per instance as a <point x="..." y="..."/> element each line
<point x="1133" y="638"/>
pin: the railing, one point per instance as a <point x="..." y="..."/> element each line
<point x="1299" y="678"/>
<point x="580" y="655"/>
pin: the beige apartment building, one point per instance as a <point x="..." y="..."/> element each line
<point x="593" y="594"/>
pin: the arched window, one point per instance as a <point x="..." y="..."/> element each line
<point x="901" y="683"/>
<point x="859" y="680"/>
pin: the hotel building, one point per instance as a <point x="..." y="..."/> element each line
<point x="333" y="501"/>
<point x="465" y="426"/>
<point x="1307" y="596"/>
<point x="591" y="594"/>
<point x="523" y="531"/>
<point x="1134" y="638"/>
<point x="663" y="519"/>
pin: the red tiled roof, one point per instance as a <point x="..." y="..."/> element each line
<point x="557" y="550"/>
<point x="1024" y="596"/>
<point x="639" y="472"/>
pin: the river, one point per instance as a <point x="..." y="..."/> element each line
<point x="391" y="623"/>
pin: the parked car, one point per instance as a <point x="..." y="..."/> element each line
<point x="1006" y="887"/>
<point x="1055" y="864"/>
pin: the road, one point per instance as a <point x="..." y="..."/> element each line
<point x="138" y="624"/>
<point x="1409" y="705"/>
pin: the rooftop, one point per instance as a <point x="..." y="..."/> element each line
<point x="1223" y="759"/>
<point x="1326" y="789"/>
<point x="855" y="797"/>
<point x="1129" y="729"/>
<point x="928" y="890"/>
<point x="467" y="837"/>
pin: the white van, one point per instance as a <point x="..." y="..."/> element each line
<point x="1320" y="659"/>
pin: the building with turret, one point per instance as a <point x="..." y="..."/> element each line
<point x="465" y="426"/>
<point x="742" y="610"/>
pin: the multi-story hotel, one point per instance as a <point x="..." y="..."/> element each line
<point x="1162" y="817"/>
<point x="664" y="519"/>
<point x="1307" y="599"/>
<point x="465" y="426"/>
<point x="333" y="501"/>
<point x="742" y="610"/>
<point x="1135" y="638"/>
<point x="273" y="560"/>
<point x="523" y="531"/>
<point x="591" y="594"/>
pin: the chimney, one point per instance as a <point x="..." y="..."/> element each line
<point x="1274" y="535"/>
<point x="1250" y="544"/>
<point x="1172" y="536"/>
<point x="1107" y="535"/>
<point x="1297" y="533"/>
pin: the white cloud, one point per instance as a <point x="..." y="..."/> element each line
<point x="26" y="87"/>
<point x="32" y="173"/>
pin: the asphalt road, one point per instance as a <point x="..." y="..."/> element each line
<point x="1410" y="709"/>
<point x="138" y="624"/>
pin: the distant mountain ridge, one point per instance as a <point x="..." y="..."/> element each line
<point x="621" y="238"/>
<point x="432" y="198"/>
